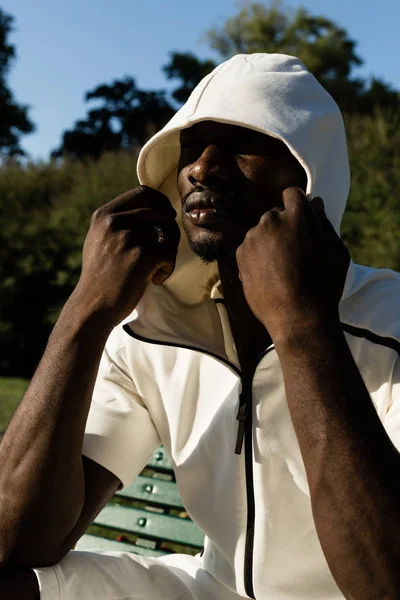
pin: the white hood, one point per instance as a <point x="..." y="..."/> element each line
<point x="271" y="93"/>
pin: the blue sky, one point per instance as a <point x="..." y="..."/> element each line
<point x="66" y="48"/>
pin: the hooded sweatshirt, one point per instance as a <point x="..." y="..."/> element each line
<point x="171" y="375"/>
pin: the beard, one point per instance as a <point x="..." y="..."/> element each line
<point x="211" y="249"/>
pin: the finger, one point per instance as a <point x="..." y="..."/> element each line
<point x="165" y="264"/>
<point x="295" y="200"/>
<point x="318" y="207"/>
<point x="138" y="216"/>
<point x="153" y="234"/>
<point x="141" y="196"/>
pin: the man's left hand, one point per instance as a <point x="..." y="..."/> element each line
<point x="293" y="265"/>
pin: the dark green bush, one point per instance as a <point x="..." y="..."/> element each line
<point x="45" y="211"/>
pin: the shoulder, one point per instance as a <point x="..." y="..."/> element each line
<point x="370" y="305"/>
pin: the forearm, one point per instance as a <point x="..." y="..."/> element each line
<point x="42" y="488"/>
<point x="349" y="459"/>
<point x="45" y="501"/>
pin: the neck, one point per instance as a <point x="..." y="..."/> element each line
<point x="249" y="334"/>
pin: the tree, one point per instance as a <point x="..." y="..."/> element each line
<point x="41" y="241"/>
<point x="126" y="117"/>
<point x="325" y="48"/>
<point x="14" y="117"/>
<point x="187" y="68"/>
<point x="372" y="219"/>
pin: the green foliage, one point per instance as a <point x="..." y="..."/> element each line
<point x="44" y="215"/>
<point x="325" y="48"/>
<point x="14" y="117"/>
<point x="372" y="221"/>
<point x="189" y="70"/>
<point x="11" y="391"/>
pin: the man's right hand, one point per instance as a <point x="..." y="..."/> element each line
<point x="124" y="252"/>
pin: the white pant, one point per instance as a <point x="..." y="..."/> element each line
<point x="83" y="575"/>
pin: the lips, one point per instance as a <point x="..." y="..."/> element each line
<point x="205" y="200"/>
<point x="216" y="209"/>
<point x="209" y="218"/>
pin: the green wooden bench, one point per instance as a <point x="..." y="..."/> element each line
<point x="147" y="517"/>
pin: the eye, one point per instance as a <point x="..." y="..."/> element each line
<point x="255" y="138"/>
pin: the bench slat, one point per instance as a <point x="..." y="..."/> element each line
<point x="95" y="543"/>
<point x="142" y="522"/>
<point x="160" y="460"/>
<point x="153" y="490"/>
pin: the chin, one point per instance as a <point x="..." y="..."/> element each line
<point x="212" y="246"/>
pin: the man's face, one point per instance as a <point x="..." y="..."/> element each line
<point x="228" y="176"/>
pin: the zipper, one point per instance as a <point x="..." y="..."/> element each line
<point x="242" y="418"/>
<point x="245" y="434"/>
<point x="245" y="400"/>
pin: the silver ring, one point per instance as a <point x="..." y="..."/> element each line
<point x="160" y="233"/>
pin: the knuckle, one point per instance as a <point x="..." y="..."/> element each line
<point x="127" y="237"/>
<point x="97" y="215"/>
<point x="266" y="218"/>
<point x="109" y="221"/>
<point x="269" y="218"/>
<point x="239" y="251"/>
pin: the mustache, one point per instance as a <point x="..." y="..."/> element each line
<point x="217" y="196"/>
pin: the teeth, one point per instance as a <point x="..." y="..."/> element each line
<point x="202" y="212"/>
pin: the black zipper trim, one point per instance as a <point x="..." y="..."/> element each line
<point x="242" y="417"/>
<point x="372" y="337"/>
<point x="141" y="338"/>
<point x="245" y="431"/>
<point x="251" y="509"/>
<point x="247" y="388"/>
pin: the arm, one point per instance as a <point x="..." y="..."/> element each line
<point x="350" y="461"/>
<point x="42" y="476"/>
<point x="293" y="267"/>
<point x="49" y="494"/>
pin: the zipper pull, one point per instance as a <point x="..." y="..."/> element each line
<point x="241" y="417"/>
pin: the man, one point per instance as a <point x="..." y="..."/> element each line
<point x="262" y="358"/>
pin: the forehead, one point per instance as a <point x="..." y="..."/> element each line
<point x="215" y="132"/>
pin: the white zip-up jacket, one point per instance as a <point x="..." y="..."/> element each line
<point x="172" y="376"/>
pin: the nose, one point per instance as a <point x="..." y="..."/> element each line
<point x="211" y="168"/>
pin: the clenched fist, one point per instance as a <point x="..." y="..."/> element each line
<point x="132" y="241"/>
<point x="293" y="265"/>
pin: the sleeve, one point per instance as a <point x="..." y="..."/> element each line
<point x="392" y="420"/>
<point x="120" y="434"/>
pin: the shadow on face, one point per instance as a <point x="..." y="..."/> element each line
<point x="228" y="176"/>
